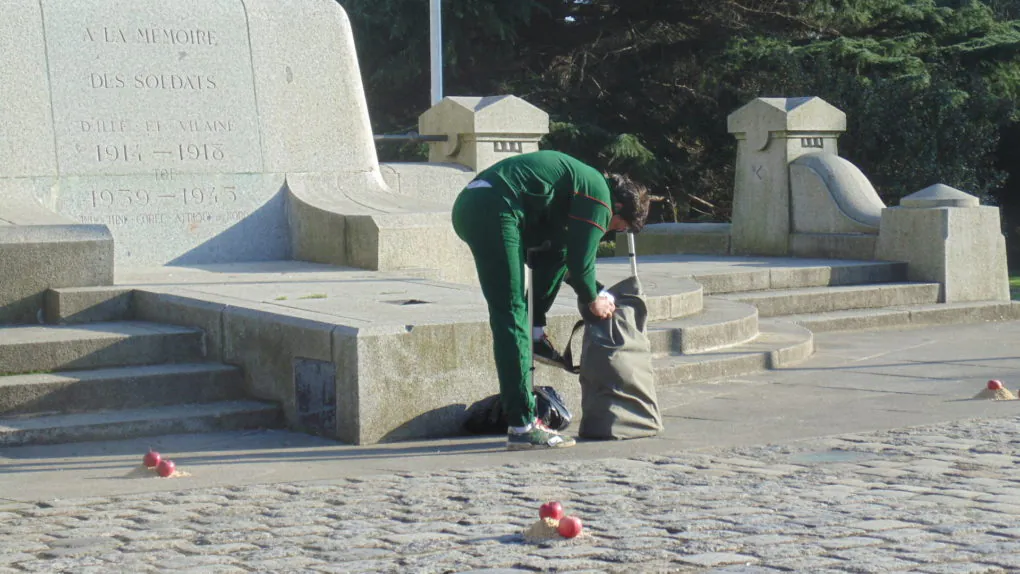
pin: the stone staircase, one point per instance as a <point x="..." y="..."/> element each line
<point x="736" y="331"/>
<point x="116" y="379"/>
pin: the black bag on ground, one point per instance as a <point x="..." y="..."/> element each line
<point x="487" y="416"/>
<point x="618" y="398"/>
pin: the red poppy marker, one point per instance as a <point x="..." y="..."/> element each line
<point x="570" y="526"/>
<point x="552" y="510"/>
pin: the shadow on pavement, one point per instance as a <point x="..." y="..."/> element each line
<point x="269" y="446"/>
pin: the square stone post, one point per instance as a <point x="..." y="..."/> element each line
<point x="482" y="131"/>
<point x="771" y="133"/>
<point x="946" y="236"/>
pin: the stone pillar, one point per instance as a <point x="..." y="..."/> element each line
<point x="945" y="236"/>
<point x="771" y="133"/>
<point x="482" y="131"/>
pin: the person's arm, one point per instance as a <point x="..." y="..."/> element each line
<point x="587" y="222"/>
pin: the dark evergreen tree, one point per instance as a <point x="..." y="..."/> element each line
<point x="929" y="86"/>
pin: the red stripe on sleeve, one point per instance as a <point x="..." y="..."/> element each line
<point x="596" y="200"/>
<point x="603" y="229"/>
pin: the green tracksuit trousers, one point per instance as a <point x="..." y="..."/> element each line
<point x="492" y="224"/>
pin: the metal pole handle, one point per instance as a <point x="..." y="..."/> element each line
<point x="632" y="253"/>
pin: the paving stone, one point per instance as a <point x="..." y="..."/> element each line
<point x="880" y="525"/>
<point x="204" y="560"/>
<point x="164" y="533"/>
<point x="871" y="560"/>
<point x="958" y="529"/>
<point x="884" y="472"/>
<point x="211" y="549"/>
<point x="15" y="542"/>
<point x="1004" y="559"/>
<point x="988" y="544"/>
<point x="905" y="535"/>
<point x="765" y="539"/>
<point x="215" y="569"/>
<point x="942" y="500"/>
<point x="362" y="567"/>
<point x="59" y="565"/>
<point x="1008" y="509"/>
<point x="634" y="556"/>
<point x="813" y="564"/>
<point x="961" y="568"/>
<point x="744" y="570"/>
<point x="74" y="547"/>
<point x="959" y="493"/>
<point x="355" y="554"/>
<point x="8" y="559"/>
<point x="719" y="559"/>
<point x="849" y="542"/>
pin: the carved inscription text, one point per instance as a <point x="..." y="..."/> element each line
<point x="168" y="87"/>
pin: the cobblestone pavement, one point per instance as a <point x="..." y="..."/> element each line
<point x="936" y="499"/>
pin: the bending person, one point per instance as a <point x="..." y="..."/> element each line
<point x="519" y="203"/>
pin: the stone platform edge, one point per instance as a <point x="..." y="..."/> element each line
<point x="357" y="382"/>
<point x="368" y="377"/>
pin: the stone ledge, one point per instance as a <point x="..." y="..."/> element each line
<point x="859" y="246"/>
<point x="375" y="230"/>
<point x="72" y="305"/>
<point x="906" y="316"/>
<point x="42" y="257"/>
<point x="677" y="238"/>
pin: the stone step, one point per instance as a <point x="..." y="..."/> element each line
<point x="738" y="274"/>
<point x="115" y="425"/>
<point x="774" y="303"/>
<point x="667" y="295"/>
<point x="722" y="323"/>
<point x="120" y="388"/>
<point x="909" y="315"/>
<point x="76" y="305"/>
<point x="779" y="344"/>
<point x="807" y="273"/>
<point x="45" y="348"/>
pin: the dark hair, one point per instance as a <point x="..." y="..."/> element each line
<point x="633" y="197"/>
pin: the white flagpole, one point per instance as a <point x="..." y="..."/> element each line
<point x="436" y="21"/>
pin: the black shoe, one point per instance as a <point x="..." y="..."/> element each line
<point x="545" y="352"/>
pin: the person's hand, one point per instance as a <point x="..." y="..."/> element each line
<point x="602" y="307"/>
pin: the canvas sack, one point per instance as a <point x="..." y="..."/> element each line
<point x="618" y="398"/>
